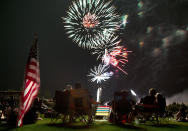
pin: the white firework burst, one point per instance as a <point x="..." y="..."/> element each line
<point x="100" y="73"/>
<point x="89" y="20"/>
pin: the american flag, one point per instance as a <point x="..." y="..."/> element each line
<point x="31" y="82"/>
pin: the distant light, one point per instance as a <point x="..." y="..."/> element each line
<point x="141" y="43"/>
<point x="124" y="20"/>
<point x="149" y="29"/>
<point x="140" y="13"/>
<point x="180" y="33"/>
<point x="140" y="4"/>
<point x="156" y="52"/>
<point x="166" y="41"/>
<point x="133" y="92"/>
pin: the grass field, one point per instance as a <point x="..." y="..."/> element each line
<point x="47" y="125"/>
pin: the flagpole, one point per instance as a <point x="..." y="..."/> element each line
<point x="35" y="38"/>
<point x="36" y="42"/>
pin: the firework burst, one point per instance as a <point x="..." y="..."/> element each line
<point x="107" y="44"/>
<point x="117" y="57"/>
<point x="100" y="73"/>
<point x="87" y="21"/>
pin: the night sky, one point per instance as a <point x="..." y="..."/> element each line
<point x="156" y="32"/>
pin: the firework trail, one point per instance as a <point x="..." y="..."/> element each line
<point x="100" y="73"/>
<point x="99" y="92"/>
<point x="133" y="93"/>
<point x="87" y="21"/>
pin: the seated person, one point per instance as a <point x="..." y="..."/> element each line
<point x="147" y="105"/>
<point x="149" y="99"/>
<point x="181" y="115"/>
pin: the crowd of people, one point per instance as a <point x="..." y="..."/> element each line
<point x="8" y="110"/>
<point x="150" y="103"/>
<point x="156" y="102"/>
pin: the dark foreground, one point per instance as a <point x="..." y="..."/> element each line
<point x="47" y="125"/>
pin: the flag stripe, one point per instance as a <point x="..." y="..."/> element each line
<point x="29" y="100"/>
<point x="25" y="109"/>
<point x="34" y="60"/>
<point x="28" y="87"/>
<point x="32" y="71"/>
<point x="32" y="75"/>
<point x="29" y="94"/>
<point x="32" y="63"/>
<point x="32" y="67"/>
<point x="33" y="79"/>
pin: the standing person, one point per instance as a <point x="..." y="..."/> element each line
<point x="161" y="104"/>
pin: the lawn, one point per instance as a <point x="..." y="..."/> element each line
<point x="47" y="125"/>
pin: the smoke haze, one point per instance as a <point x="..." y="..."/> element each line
<point x="181" y="97"/>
